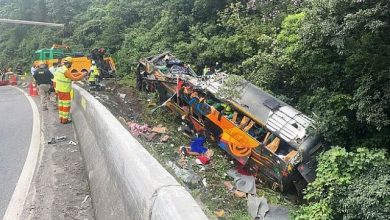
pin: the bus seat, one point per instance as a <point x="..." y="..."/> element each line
<point x="234" y="119"/>
<point x="290" y="155"/>
<point x="274" y="145"/>
<point x="244" y="122"/>
<point x="249" y="126"/>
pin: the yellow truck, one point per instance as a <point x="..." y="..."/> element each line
<point x="81" y="63"/>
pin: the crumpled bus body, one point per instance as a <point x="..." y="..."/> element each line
<point x="261" y="132"/>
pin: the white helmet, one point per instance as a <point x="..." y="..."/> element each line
<point x="93" y="62"/>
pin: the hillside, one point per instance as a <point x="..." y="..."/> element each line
<point x="329" y="59"/>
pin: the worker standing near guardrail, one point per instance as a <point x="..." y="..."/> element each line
<point x="64" y="78"/>
<point x="93" y="74"/>
<point x="43" y="78"/>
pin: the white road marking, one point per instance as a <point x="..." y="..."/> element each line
<point x="15" y="206"/>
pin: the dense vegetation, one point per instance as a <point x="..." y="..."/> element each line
<point x="330" y="59"/>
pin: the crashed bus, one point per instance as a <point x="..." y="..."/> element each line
<point x="264" y="134"/>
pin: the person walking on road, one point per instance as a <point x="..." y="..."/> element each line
<point x="64" y="78"/>
<point x="43" y="78"/>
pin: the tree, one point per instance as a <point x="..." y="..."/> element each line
<point x="349" y="185"/>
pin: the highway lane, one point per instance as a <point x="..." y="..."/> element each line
<point x="16" y="120"/>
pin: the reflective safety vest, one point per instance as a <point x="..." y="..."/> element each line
<point x="63" y="84"/>
<point x="94" y="74"/>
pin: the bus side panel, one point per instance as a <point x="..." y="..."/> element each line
<point x="268" y="166"/>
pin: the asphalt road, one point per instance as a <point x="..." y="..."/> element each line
<point x="16" y="120"/>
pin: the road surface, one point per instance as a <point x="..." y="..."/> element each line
<point x="16" y="119"/>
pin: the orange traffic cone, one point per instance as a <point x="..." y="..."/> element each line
<point x="12" y="80"/>
<point x="33" y="91"/>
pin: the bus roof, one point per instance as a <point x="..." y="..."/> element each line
<point x="279" y="117"/>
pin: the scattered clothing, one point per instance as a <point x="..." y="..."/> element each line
<point x="242" y="182"/>
<point x="257" y="207"/>
<point x="202" y="160"/>
<point x="188" y="176"/>
<point x="137" y="129"/>
<point x="197" y="145"/>
<point x="277" y="212"/>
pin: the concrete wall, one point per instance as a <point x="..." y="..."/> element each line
<point x="126" y="181"/>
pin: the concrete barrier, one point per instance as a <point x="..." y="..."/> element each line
<point x="126" y="181"/>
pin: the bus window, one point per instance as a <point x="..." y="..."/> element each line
<point x="244" y="122"/>
<point x="249" y="126"/>
<point x="272" y="142"/>
<point x="258" y="133"/>
<point x="285" y="151"/>
<point x="234" y="119"/>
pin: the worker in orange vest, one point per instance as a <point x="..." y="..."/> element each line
<point x="64" y="78"/>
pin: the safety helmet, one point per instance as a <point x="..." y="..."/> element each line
<point x="68" y="60"/>
<point x="93" y="62"/>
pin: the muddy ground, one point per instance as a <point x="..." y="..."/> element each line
<point x="130" y="105"/>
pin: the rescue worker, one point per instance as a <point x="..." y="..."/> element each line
<point x="43" y="78"/>
<point x="63" y="80"/>
<point x="93" y="74"/>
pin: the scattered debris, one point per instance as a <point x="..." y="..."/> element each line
<point x="57" y="139"/>
<point x="122" y="120"/>
<point x="242" y="182"/>
<point x="122" y="95"/>
<point x="204" y="182"/>
<point x="229" y="186"/>
<point x="160" y="129"/>
<point x="197" y="145"/>
<point x="220" y="213"/>
<point x="202" y="160"/>
<point x="164" y="138"/>
<point x="257" y="207"/>
<point x="72" y="143"/>
<point x="276" y="212"/>
<point x="150" y="136"/>
<point x="188" y="176"/>
<point x="85" y="199"/>
<point x="137" y="129"/>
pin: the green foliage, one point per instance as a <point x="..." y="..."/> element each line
<point x="231" y="87"/>
<point x="349" y="185"/>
